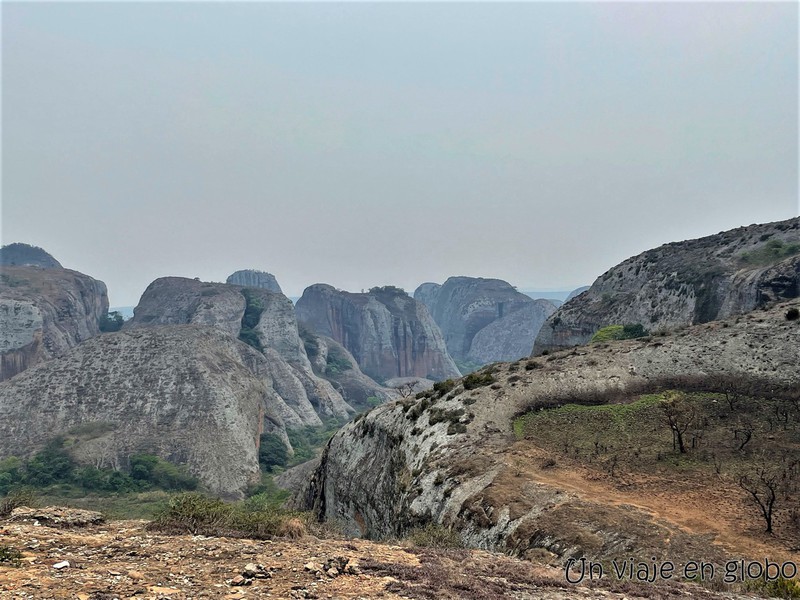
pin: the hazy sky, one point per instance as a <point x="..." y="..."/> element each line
<point x="366" y="144"/>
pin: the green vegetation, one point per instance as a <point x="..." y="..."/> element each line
<point x="386" y="289"/>
<point x="112" y="321"/>
<point x="252" y="314"/>
<point x="476" y="380"/>
<point x="336" y="362"/>
<point x="771" y="252"/>
<point x="252" y="518"/>
<point x="53" y="470"/>
<point x="272" y="452"/>
<point x="307" y="441"/>
<point x="619" y="332"/>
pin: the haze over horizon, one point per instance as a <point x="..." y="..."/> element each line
<point x="374" y="144"/>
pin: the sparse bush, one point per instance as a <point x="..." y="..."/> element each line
<point x="442" y="387"/>
<point x="201" y="515"/>
<point x="434" y="535"/>
<point x="16" y="498"/>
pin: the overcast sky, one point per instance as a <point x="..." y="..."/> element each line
<point x="367" y="144"/>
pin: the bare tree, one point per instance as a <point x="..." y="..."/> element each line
<point x="762" y="486"/>
<point x="679" y="416"/>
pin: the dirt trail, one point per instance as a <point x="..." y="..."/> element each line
<point x="689" y="504"/>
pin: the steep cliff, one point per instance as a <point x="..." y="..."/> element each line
<point x="264" y="319"/>
<point x="387" y="332"/>
<point x="255" y="279"/>
<point x="452" y="457"/>
<point x="44" y="313"/>
<point x="682" y="283"/>
<point x="484" y="320"/>
<point x="190" y="394"/>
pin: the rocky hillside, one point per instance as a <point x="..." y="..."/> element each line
<point x="682" y="283"/>
<point x="387" y="332"/>
<point x="452" y="456"/>
<point x="255" y="279"/>
<point x="25" y="255"/>
<point x="484" y="320"/>
<point x="190" y="394"/>
<point x="265" y="320"/>
<point x="45" y="312"/>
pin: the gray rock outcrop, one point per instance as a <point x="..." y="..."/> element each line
<point x="683" y="283"/>
<point x="178" y="300"/>
<point x="44" y="313"/>
<point x="484" y="320"/>
<point x="387" y="332"/>
<point x="190" y="394"/>
<point x="255" y="279"/>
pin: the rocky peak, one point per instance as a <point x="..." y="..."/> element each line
<point x="484" y="320"/>
<point x="388" y="333"/>
<point x="25" y="255"/>
<point x="682" y="283"/>
<point x="255" y="279"/>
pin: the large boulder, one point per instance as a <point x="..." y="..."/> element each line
<point x="255" y="279"/>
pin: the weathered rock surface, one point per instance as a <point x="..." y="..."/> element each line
<point x="25" y="255"/>
<point x="484" y="320"/>
<point x="576" y="292"/>
<point x="44" y="313"/>
<point x="190" y="394"/>
<point x="57" y="516"/>
<point x="255" y="279"/>
<point x="411" y="461"/>
<point x="387" y="332"/>
<point x="682" y="283"/>
<point x="178" y="300"/>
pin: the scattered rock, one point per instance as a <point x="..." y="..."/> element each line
<point x="57" y="516"/>
<point x="64" y="564"/>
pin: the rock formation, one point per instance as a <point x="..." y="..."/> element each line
<point x="25" y="255"/>
<point x="45" y="312"/>
<point x="255" y="279"/>
<point x="682" y="283"/>
<point x="191" y="394"/>
<point x="273" y="330"/>
<point x="576" y="292"/>
<point x="484" y="320"/>
<point x="387" y="332"/>
<point x="446" y="458"/>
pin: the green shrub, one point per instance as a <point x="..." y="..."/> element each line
<point x="112" y="321"/>
<point x="476" y="380"/>
<point x="771" y="252"/>
<point x="272" y="452"/>
<point x="442" y="387"/>
<point x="161" y="473"/>
<point x="336" y="361"/>
<point x="619" y="332"/>
<point x="52" y="464"/>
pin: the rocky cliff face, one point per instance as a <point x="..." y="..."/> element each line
<point x="177" y="300"/>
<point x="447" y="459"/>
<point x="682" y="283"/>
<point x="44" y="313"/>
<point x="255" y="279"/>
<point x="387" y="332"/>
<point x="191" y="394"/>
<point x="25" y="255"/>
<point x="484" y="320"/>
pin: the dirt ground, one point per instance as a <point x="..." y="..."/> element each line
<point x="122" y="559"/>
